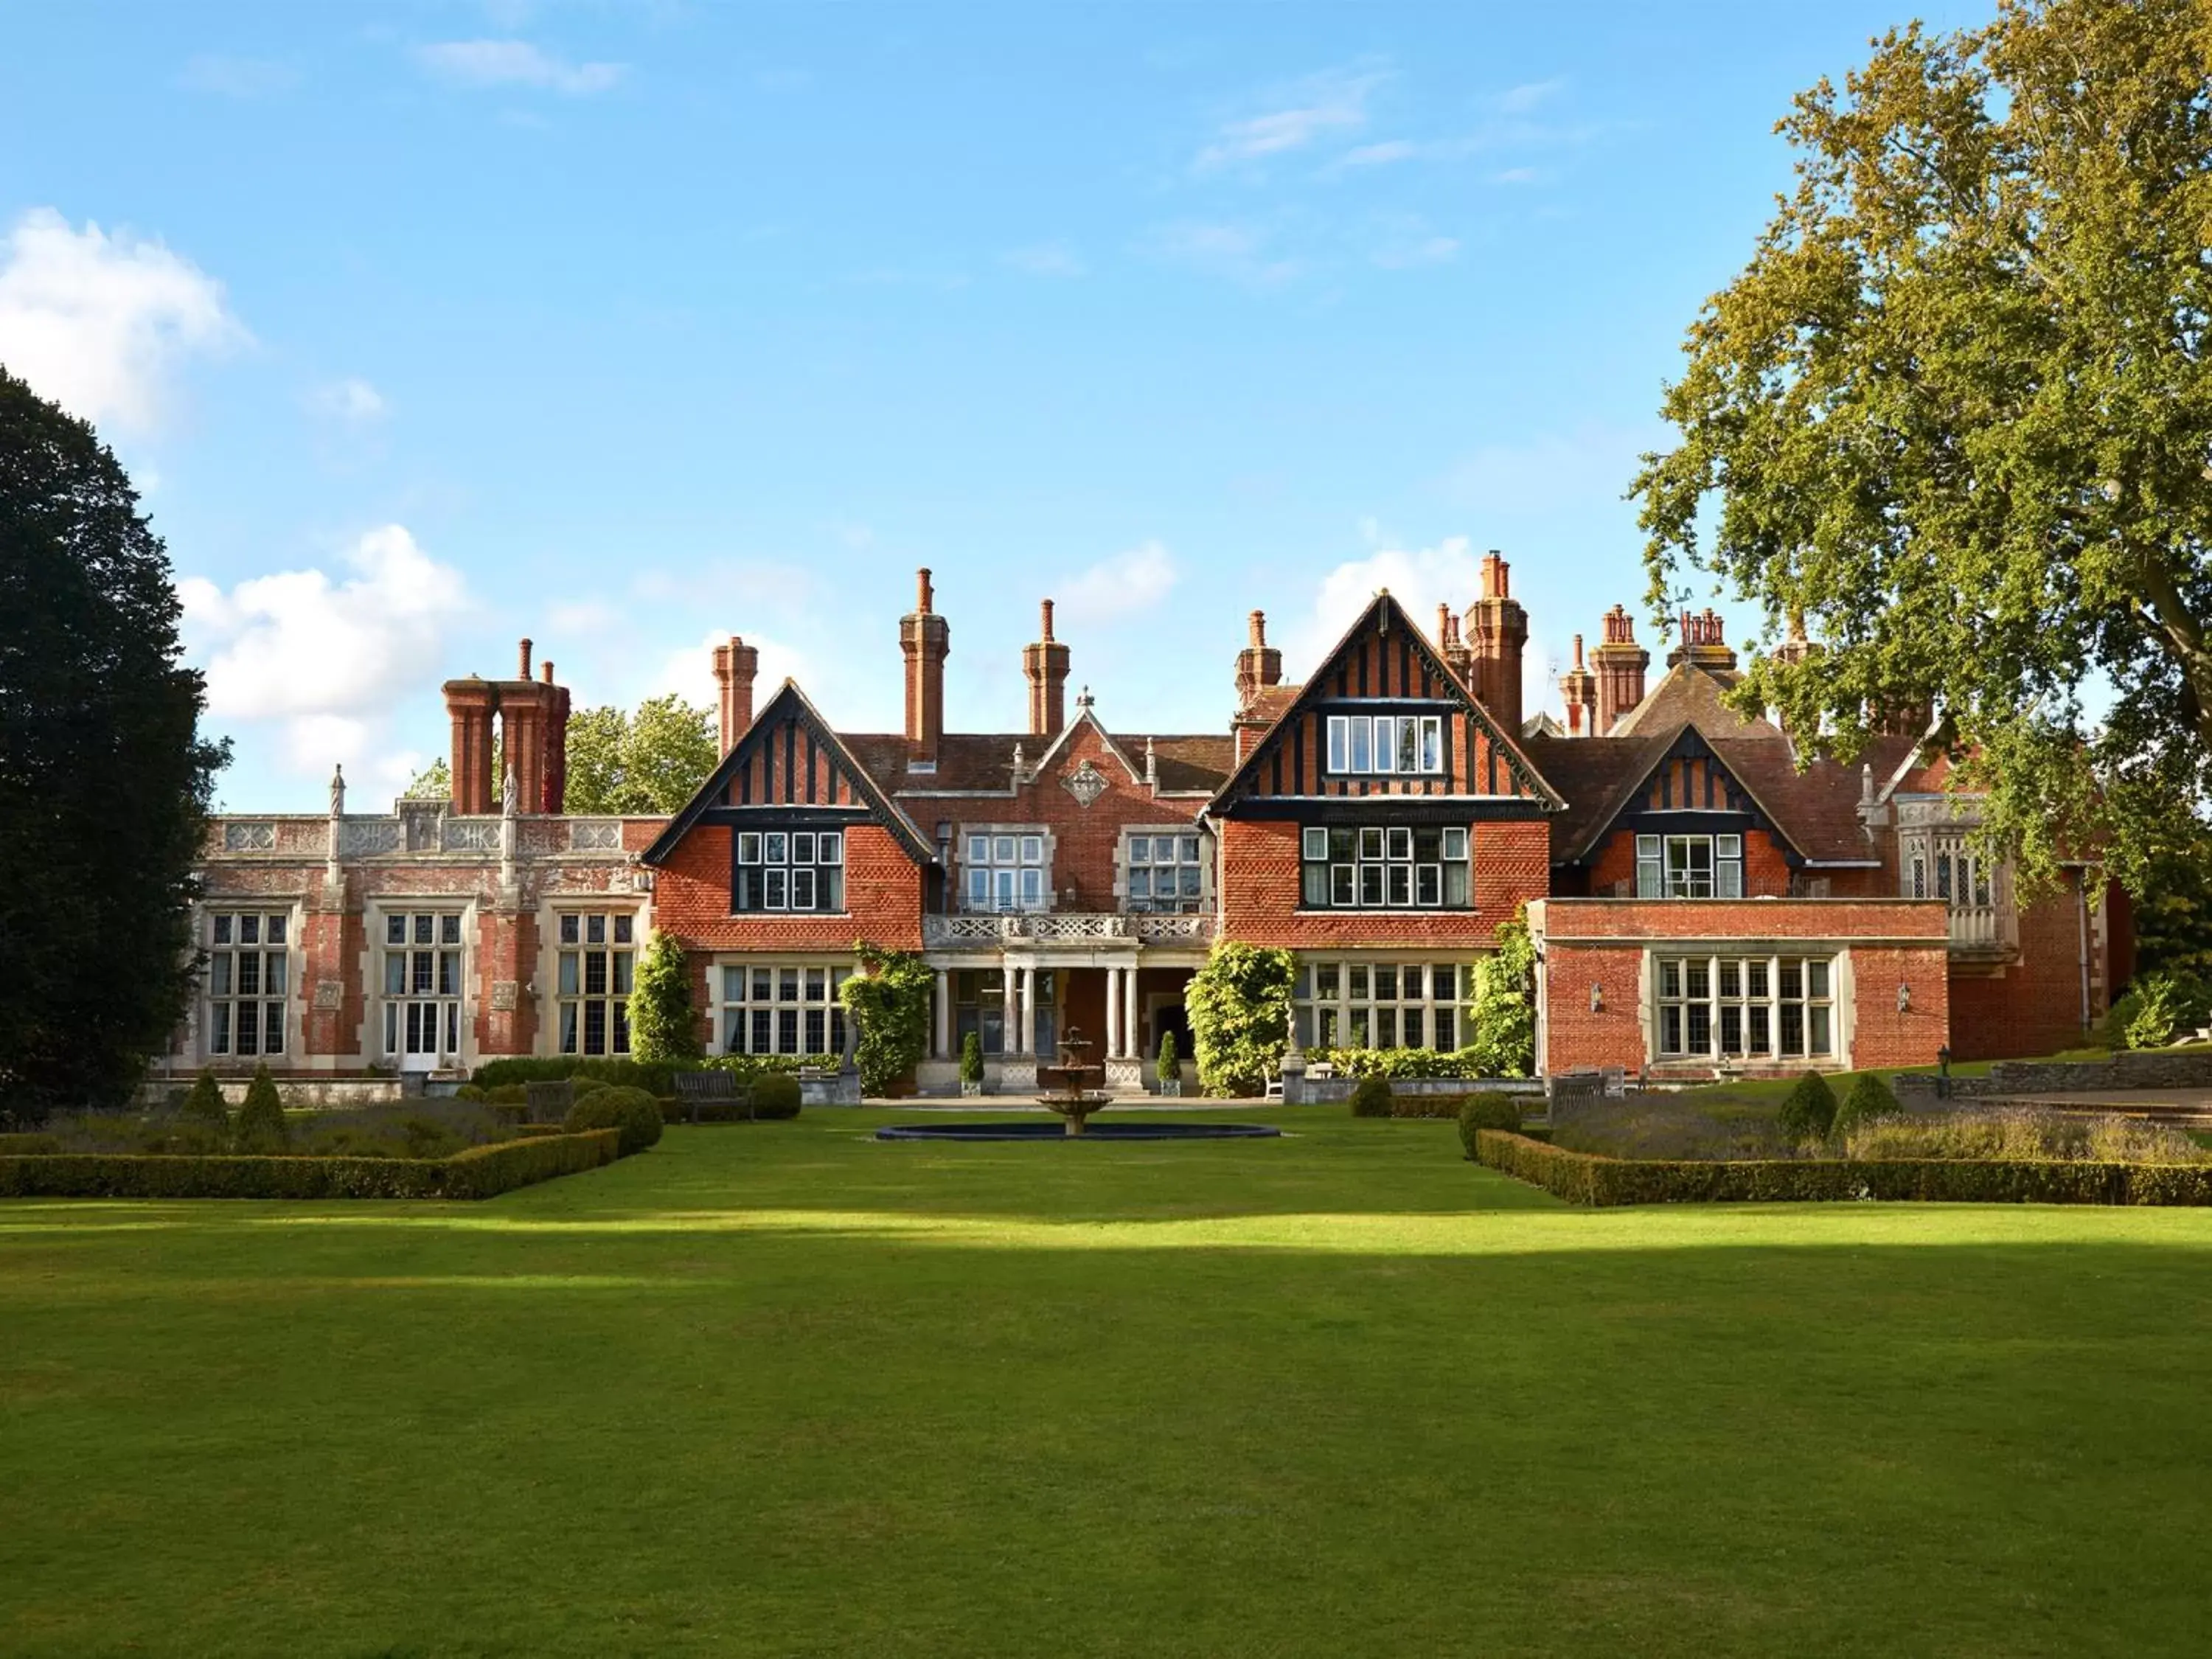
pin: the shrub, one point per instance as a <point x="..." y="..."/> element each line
<point x="1239" y="1004"/>
<point x="776" y="1097"/>
<point x="1504" y="1004"/>
<point x="971" y="1058"/>
<point x="888" y="1003"/>
<point x="1371" y="1097"/>
<point x="1487" y="1111"/>
<point x="479" y="1172"/>
<point x="472" y="1091"/>
<point x="1809" y="1110"/>
<point x="260" y="1128"/>
<point x="1867" y="1100"/>
<point x="1170" y="1063"/>
<point x="662" y="1025"/>
<point x="633" y="1111"/>
<point x="2011" y="1133"/>
<point x="1587" y="1178"/>
<point x="2163" y="1004"/>
<point x="205" y="1104"/>
<point x="1402" y="1062"/>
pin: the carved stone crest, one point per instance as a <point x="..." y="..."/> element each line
<point x="502" y="996"/>
<point x="1086" y="783"/>
<point x="329" y="993"/>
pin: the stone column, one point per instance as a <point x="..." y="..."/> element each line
<point x="1113" y="1050"/>
<point x="1010" y="1015"/>
<point x="943" y="1029"/>
<point x="1028" y="1011"/>
<point x="1132" y="1033"/>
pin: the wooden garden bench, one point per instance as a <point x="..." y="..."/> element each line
<point x="714" y="1086"/>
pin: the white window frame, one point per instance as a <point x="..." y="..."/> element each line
<point x="1006" y="869"/>
<point x="1359" y="1001"/>
<point x="1656" y="876"/>
<point x="1760" y="992"/>
<point x="222" y="935"/>
<point x="753" y="1014"/>
<point x="1189" y="865"/>
<point x="1385" y="746"/>
<point x="572" y="998"/>
<point x="1384" y="869"/>
<point x="447" y="996"/>
<point x="782" y="856"/>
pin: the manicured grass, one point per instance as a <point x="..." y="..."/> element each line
<point x="778" y="1389"/>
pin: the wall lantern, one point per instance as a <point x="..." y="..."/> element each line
<point x="1597" y="999"/>
<point x="1904" y="997"/>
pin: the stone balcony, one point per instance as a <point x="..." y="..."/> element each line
<point x="1093" y="927"/>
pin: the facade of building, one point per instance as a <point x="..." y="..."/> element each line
<point x="1704" y="899"/>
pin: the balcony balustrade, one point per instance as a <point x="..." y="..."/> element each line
<point x="992" y="932"/>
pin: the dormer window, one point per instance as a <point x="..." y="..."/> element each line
<point x="1386" y="745"/>
<point x="1689" y="867"/>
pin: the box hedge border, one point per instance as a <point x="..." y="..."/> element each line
<point x="478" y="1172"/>
<point x="1588" y="1178"/>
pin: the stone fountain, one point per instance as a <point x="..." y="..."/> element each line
<point x="1077" y="1084"/>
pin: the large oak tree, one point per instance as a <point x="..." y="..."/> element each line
<point x="1956" y="415"/>
<point x="104" y="777"/>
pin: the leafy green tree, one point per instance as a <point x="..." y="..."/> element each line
<point x="104" y="777"/>
<point x="433" y="783"/>
<point x="1505" y="1003"/>
<point x="1239" y="1007"/>
<point x="1955" y="416"/>
<point x="260" y="1126"/>
<point x="888" y="1002"/>
<point x="662" y="1025"/>
<point x="648" y="763"/>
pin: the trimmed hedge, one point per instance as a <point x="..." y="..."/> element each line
<point x="479" y="1172"/>
<point x="775" y="1098"/>
<point x="654" y="1077"/>
<point x="632" y="1111"/>
<point x="1808" y="1111"/>
<point x="1588" y="1178"/>
<point x="1371" y="1097"/>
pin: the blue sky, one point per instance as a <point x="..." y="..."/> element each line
<point x="623" y="326"/>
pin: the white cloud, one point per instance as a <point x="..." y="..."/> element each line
<point x="325" y="659"/>
<point x="515" y="63"/>
<point x="1129" y="581"/>
<point x="1243" y="253"/>
<point x="688" y="671"/>
<point x="1419" y="579"/>
<point x="1519" y="101"/>
<point x="1047" y="259"/>
<point x="1333" y="101"/>
<point x="350" y="400"/>
<point x="1409" y="241"/>
<point x="99" y="323"/>
<point x="1382" y="154"/>
<point x="236" y="77"/>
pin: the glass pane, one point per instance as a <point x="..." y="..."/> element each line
<point x="1670" y="1030"/>
<point x="1761" y="1041"/>
<point x="1793" y="979"/>
<point x="624" y="928"/>
<point x="275" y="934"/>
<point x="764" y="1027"/>
<point x="623" y="960"/>
<point x="1386" y="984"/>
<point x="449" y="928"/>
<point x="1032" y="849"/>
<point x="1002" y="849"/>
<point x="1399" y="842"/>
<point x="1328" y="1026"/>
<point x="1754" y="974"/>
<point x="1188" y="878"/>
<point x="424" y="929"/>
<point x="622" y="1027"/>
<point x="1816" y="979"/>
<point x="1455" y="884"/>
<point x="1793" y="1028"/>
<point x="1324" y="981"/>
<point x="832" y="848"/>
<point x="1409" y="745"/>
<point x="1454" y="844"/>
<point x="1697" y="975"/>
<point x="1429" y="884"/>
<point x="762" y="981"/>
<point x="1447" y="1027"/>
<point x="1386" y="743"/>
<point x="249" y="973"/>
<point x="1647" y="879"/>
<point x="1005" y="889"/>
<point x="802" y="888"/>
<point x="249" y="1030"/>
<point x="979" y="849"/>
<point x="595" y="930"/>
<point x="776" y="889"/>
<point x="1412" y="1021"/>
<point x="219" y="1028"/>
<point x="1371" y="883"/>
<point x="817" y="1029"/>
<point x="1401" y="883"/>
<point x="219" y="975"/>
<point x="802" y="846"/>
<point x="595" y="1028"/>
<point x="1340" y="883"/>
<point x="1670" y="978"/>
<point x="734" y="985"/>
<point x="568" y="973"/>
<point x="449" y="973"/>
<point x="1140" y="885"/>
<point x="979" y="886"/>
<point x="1731" y="1029"/>
<point x="1818" y="1019"/>
<point x="1386" y="1028"/>
<point x="1432" y="744"/>
<point x="817" y="984"/>
<point x="395" y="930"/>
<point x="1700" y="1027"/>
<point x="787" y="985"/>
<point x="223" y="930"/>
<point x="395" y="972"/>
<point x="1141" y="849"/>
<point x="1360" y="750"/>
<point x="1731" y="979"/>
<point x="748" y="847"/>
<point x="786" y="1031"/>
<point x="595" y="973"/>
<point x="1032" y="887"/>
<point x="775" y="847"/>
<point x="1370" y="843"/>
<point x="1443" y="980"/>
<point x="249" y="930"/>
<point x="1356" y="981"/>
<point x="569" y="930"/>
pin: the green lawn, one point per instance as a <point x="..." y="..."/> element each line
<point x="781" y="1390"/>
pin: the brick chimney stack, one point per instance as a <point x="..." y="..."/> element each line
<point x="1452" y="644"/>
<point x="736" y="663"/>
<point x="926" y="640"/>
<point x="1703" y="643"/>
<point x="1498" y="629"/>
<point x="470" y="704"/>
<point x="1796" y="648"/>
<point x="1045" y="664"/>
<point x="1259" y="665"/>
<point x="1620" y="665"/>
<point x="1579" y="687"/>
<point x="533" y="733"/>
<point x="554" y="793"/>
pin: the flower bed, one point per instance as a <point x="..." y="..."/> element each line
<point x="479" y="1172"/>
<point x="1588" y="1178"/>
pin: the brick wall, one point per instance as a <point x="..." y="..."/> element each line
<point x="1604" y="942"/>
<point x="1260" y="869"/>
<point x="2032" y="1007"/>
<point x="883" y="899"/>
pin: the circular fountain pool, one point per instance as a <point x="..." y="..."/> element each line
<point x="1054" y="1130"/>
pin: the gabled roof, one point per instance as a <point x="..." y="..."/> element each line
<point x="1687" y="694"/>
<point x="983" y="762"/>
<point x="1383" y="612"/>
<point x="790" y="704"/>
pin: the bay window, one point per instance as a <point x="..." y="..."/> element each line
<point x="1351" y="1004"/>
<point x="782" y="1008"/>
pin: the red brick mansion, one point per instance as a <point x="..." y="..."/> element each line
<point x="1698" y="902"/>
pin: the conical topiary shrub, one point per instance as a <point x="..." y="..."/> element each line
<point x="260" y="1125"/>
<point x="1867" y="1099"/>
<point x="1809" y="1110"/>
<point x="205" y="1104"/>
